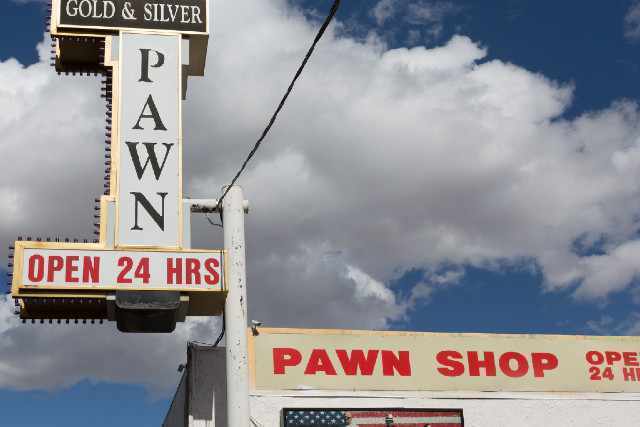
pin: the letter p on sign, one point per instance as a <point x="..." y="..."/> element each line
<point x="283" y="357"/>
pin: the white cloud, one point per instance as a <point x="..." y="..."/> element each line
<point x="423" y="18"/>
<point x="419" y="12"/>
<point x="606" y="273"/>
<point x="383" y="161"/>
<point x="607" y="325"/>
<point x="383" y="10"/>
<point x="10" y="205"/>
<point x="432" y="282"/>
<point x="632" y="22"/>
<point x="429" y="12"/>
<point x="368" y="287"/>
<point x="50" y="356"/>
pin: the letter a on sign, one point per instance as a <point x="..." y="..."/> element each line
<point x="150" y="141"/>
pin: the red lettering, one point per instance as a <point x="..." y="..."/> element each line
<point x="55" y="265"/>
<point x="595" y="357"/>
<point x="630" y="358"/>
<point x="357" y="360"/>
<point x="192" y="268"/>
<point x="72" y="267"/>
<point x="211" y="265"/>
<point x="543" y="362"/>
<point x="319" y="362"/>
<point x="174" y="273"/>
<point x="522" y="365"/>
<point x="127" y="264"/>
<point x="400" y="363"/>
<point x="608" y="374"/>
<point x="142" y="271"/>
<point x="283" y="357"/>
<point x="612" y="357"/>
<point x="629" y="374"/>
<point x="451" y="367"/>
<point x="91" y="269"/>
<point x="475" y="364"/>
<point x="36" y="268"/>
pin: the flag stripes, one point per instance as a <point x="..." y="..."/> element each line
<point x="372" y="418"/>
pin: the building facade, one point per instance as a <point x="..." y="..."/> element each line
<point x="355" y="395"/>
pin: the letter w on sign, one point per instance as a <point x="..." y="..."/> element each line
<point x="152" y="158"/>
<point x="150" y="141"/>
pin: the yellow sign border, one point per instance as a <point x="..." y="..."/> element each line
<point x="562" y="340"/>
<point x="19" y="290"/>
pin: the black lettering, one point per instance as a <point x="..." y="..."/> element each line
<point x="154" y="115"/>
<point x="151" y="158"/>
<point x="144" y="66"/>
<point x="158" y="218"/>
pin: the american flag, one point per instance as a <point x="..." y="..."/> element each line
<point x="316" y="418"/>
<point x="373" y="418"/>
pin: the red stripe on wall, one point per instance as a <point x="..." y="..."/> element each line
<point x="412" y="425"/>
<point x="365" y="414"/>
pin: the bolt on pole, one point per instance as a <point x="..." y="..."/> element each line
<point x="233" y="211"/>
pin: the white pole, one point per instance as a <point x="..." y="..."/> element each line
<point x="233" y="211"/>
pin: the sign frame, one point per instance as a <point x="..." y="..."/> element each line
<point x="18" y="289"/>
<point x="116" y="145"/>
<point x="322" y="339"/>
<point x="57" y="13"/>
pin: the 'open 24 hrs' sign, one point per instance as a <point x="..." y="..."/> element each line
<point x="185" y="16"/>
<point x="106" y="269"/>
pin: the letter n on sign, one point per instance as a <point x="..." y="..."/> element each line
<point x="150" y="141"/>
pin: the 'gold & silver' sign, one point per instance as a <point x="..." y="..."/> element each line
<point x="184" y="16"/>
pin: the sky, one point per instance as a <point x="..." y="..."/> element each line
<point x="440" y="166"/>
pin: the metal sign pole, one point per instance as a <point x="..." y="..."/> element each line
<point x="233" y="211"/>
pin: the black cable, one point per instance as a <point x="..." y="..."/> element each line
<point x="221" y="332"/>
<point x="204" y="344"/>
<point x="325" y="24"/>
<point x="215" y="224"/>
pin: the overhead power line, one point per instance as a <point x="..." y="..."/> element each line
<point x="325" y="24"/>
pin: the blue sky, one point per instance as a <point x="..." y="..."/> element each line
<point x="580" y="44"/>
<point x="86" y="403"/>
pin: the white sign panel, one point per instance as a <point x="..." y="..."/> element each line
<point x="286" y="359"/>
<point x="117" y="270"/>
<point x="150" y="141"/>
